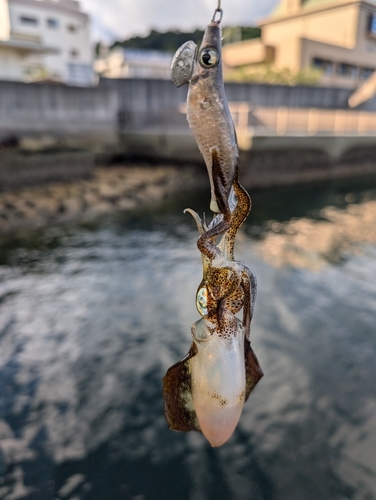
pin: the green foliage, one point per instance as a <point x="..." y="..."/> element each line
<point x="249" y="32"/>
<point x="170" y="41"/>
<point x="233" y="34"/>
<point x="266" y="74"/>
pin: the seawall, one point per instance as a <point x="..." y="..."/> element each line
<point x="53" y="132"/>
<point x="94" y="116"/>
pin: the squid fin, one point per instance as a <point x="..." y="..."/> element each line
<point x="177" y="394"/>
<point x="253" y="371"/>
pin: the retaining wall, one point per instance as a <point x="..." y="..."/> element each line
<point x="99" y="112"/>
<point x="142" y="118"/>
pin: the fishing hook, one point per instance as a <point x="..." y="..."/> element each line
<point x="218" y="11"/>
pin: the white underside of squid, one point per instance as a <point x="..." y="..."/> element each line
<point x="218" y="381"/>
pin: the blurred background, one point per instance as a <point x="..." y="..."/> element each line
<point x="99" y="266"/>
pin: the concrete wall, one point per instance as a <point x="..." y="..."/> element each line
<point x="145" y="103"/>
<point x="92" y="117"/>
<point x="81" y="116"/>
<point x="142" y="118"/>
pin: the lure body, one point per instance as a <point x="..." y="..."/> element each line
<point x="208" y="113"/>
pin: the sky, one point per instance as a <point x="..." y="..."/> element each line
<point x="120" y="19"/>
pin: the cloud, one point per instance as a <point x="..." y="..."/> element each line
<point x="124" y="18"/>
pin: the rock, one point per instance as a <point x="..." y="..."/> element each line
<point x="46" y="207"/>
<point x="117" y="188"/>
<point x="126" y="203"/>
<point x="4" y="225"/>
<point x="72" y="207"/>
<point x="90" y="199"/>
<point x="101" y="208"/>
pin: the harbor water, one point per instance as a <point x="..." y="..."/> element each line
<point x="92" y="316"/>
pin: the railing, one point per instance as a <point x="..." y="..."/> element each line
<point x="25" y="37"/>
<point x="301" y="121"/>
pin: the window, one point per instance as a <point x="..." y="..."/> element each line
<point x="31" y="21"/>
<point x="347" y="70"/>
<point x="327" y="67"/>
<point x="72" y="28"/>
<point x="372" y="24"/>
<point x="52" y="23"/>
<point x="365" y="73"/>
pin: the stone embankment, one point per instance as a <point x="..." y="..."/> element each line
<point x="108" y="190"/>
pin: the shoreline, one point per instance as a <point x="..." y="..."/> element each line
<point x="130" y="185"/>
<point x="110" y="189"/>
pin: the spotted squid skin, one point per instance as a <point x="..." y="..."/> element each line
<point x="218" y="383"/>
<point x="181" y="382"/>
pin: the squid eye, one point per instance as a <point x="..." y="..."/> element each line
<point x="202" y="301"/>
<point x="209" y="58"/>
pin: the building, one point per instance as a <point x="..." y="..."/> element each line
<point x="337" y="37"/>
<point x="45" y="40"/>
<point x="134" y="63"/>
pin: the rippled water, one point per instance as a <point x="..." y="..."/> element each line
<point x="91" y="318"/>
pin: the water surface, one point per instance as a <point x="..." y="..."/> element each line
<point x="91" y="318"/>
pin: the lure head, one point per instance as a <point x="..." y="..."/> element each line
<point x="210" y="54"/>
<point x="182" y="63"/>
<point x="187" y="62"/>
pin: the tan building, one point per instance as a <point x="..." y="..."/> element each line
<point x="337" y="37"/>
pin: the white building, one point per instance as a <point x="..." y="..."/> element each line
<point x="134" y="63"/>
<point x="45" y="39"/>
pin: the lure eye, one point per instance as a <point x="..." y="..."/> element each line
<point x="202" y="301"/>
<point x="209" y="58"/>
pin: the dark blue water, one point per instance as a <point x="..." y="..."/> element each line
<point x="91" y="318"/>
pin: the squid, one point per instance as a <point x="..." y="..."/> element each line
<point x="206" y="390"/>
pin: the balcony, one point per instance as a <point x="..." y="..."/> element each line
<point x="25" y="37"/>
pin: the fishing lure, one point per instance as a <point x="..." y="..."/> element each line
<point x="208" y="113"/>
<point x="206" y="390"/>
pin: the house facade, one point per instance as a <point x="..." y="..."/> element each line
<point x="122" y="62"/>
<point x="337" y="37"/>
<point x="45" y="39"/>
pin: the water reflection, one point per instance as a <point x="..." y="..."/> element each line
<point x="313" y="244"/>
<point x="91" y="319"/>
